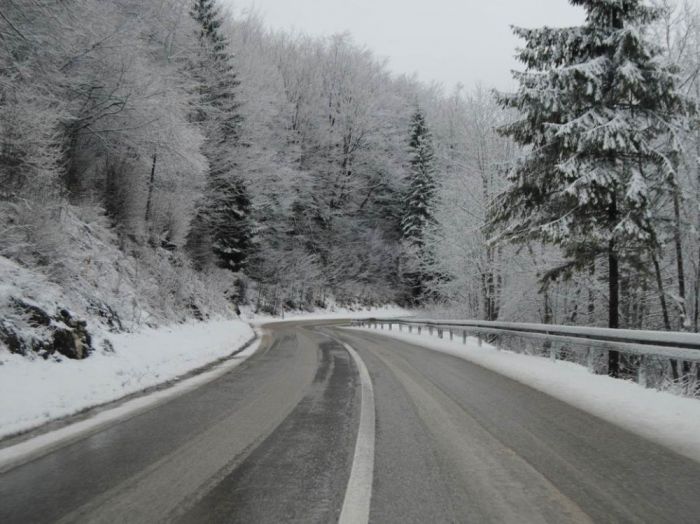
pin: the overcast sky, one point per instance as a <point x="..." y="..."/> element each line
<point x="448" y="41"/>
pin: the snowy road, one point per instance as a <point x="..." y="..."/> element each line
<point x="274" y="440"/>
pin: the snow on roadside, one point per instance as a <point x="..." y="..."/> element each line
<point x="328" y="314"/>
<point x="664" y="418"/>
<point x="35" y="391"/>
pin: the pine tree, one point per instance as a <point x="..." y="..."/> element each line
<point x="418" y="210"/>
<point x="599" y="115"/>
<point x="225" y="214"/>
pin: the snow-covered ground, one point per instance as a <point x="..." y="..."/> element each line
<point x="329" y="314"/>
<point x="35" y="391"/>
<point x="664" y="418"/>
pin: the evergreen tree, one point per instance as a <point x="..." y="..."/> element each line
<point x="421" y="183"/>
<point x="599" y="113"/>
<point x="418" y="210"/>
<point x="224" y="220"/>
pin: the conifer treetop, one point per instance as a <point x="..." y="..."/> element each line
<point x="599" y="116"/>
<point x="208" y="16"/>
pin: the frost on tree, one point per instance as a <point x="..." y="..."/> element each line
<point x="224" y="219"/>
<point x="421" y="182"/>
<point x="418" y="211"/>
<point x="599" y="115"/>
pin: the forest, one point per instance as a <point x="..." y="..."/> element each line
<point x="168" y="160"/>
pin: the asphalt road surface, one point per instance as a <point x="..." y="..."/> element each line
<point x="293" y="435"/>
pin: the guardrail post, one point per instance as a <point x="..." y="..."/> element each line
<point x="430" y="330"/>
<point x="410" y="328"/>
<point x="390" y="326"/>
<point x="400" y="327"/>
<point x="419" y="329"/>
<point x="479" y="341"/>
<point x="439" y="333"/>
<point x="382" y="325"/>
<point x="452" y="334"/>
<point x="464" y="336"/>
<point x="553" y="353"/>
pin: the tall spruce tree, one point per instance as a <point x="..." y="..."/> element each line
<point x="599" y="115"/>
<point x="419" y="200"/>
<point x="224" y="221"/>
<point x="418" y="212"/>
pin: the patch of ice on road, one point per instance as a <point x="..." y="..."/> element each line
<point x="661" y="417"/>
<point x="36" y="391"/>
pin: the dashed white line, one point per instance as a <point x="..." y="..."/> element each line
<point x="359" y="491"/>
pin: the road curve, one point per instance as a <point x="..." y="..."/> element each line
<point x="274" y="441"/>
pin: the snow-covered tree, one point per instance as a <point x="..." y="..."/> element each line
<point x="224" y="218"/>
<point x="471" y="157"/>
<point x="418" y="211"/>
<point x="600" y="116"/>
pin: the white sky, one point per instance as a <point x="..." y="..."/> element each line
<point x="448" y="41"/>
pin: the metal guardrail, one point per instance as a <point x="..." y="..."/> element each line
<point x="664" y="344"/>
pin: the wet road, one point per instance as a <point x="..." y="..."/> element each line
<point x="274" y="441"/>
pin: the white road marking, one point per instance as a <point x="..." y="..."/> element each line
<point x="359" y="491"/>
<point x="43" y="444"/>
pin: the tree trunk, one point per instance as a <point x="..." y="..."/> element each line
<point x="149" y="200"/>
<point x="548" y="318"/>
<point x="591" y="297"/>
<point x="499" y="284"/>
<point x="613" y="306"/>
<point x="626" y="294"/>
<point x="696" y="319"/>
<point x="677" y="240"/>
<point x="644" y="304"/>
<point x="697" y="196"/>
<point x="664" y="308"/>
<point x="489" y="286"/>
<point x="573" y="315"/>
<point x="613" y="291"/>
<point x="662" y="296"/>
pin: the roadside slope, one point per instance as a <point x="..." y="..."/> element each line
<point x="36" y="391"/>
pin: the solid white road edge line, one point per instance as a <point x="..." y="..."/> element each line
<point x="359" y="491"/>
<point x="33" y="448"/>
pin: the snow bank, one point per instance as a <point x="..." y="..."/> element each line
<point x="329" y="314"/>
<point x="35" y="391"/>
<point x="662" y="417"/>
